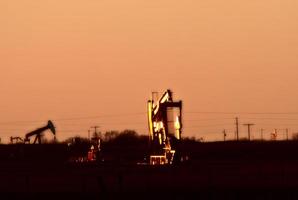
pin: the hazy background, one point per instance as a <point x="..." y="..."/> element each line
<point x="96" y="62"/>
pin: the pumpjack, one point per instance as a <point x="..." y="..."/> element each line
<point x="16" y="140"/>
<point x="165" y="127"/>
<point x="38" y="133"/>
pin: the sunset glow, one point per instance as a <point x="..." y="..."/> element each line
<point x="85" y="63"/>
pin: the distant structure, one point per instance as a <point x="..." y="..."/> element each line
<point x="38" y="133"/>
<point x="164" y="121"/>
<point x="95" y="148"/>
<point x="248" y="129"/>
<point x="224" y="135"/>
<point x="274" y="135"/>
<point x="262" y="134"/>
<point x="237" y="128"/>
<point x="16" y="140"/>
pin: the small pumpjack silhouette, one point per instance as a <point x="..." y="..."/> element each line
<point x="38" y="133"/>
<point x="16" y="140"/>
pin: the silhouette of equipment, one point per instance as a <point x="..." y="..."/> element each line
<point x="164" y="120"/>
<point x="38" y="133"/>
<point x="15" y="140"/>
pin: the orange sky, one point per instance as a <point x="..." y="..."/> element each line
<point x="62" y="59"/>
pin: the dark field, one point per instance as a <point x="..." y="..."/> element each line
<point x="230" y="170"/>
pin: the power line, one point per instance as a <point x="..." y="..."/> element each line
<point x="211" y="125"/>
<point x="18" y="122"/>
<point x="105" y="123"/>
<point x="277" y="124"/>
<point x="77" y="118"/>
<point x="144" y="113"/>
<point x="207" y="119"/>
<point x="267" y="118"/>
<point x="246" y="113"/>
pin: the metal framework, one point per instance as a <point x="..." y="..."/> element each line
<point x="38" y="133"/>
<point x="165" y="127"/>
<point x="16" y="140"/>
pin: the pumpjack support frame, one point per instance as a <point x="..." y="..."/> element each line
<point x="165" y="127"/>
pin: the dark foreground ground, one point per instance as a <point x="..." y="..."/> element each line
<point x="229" y="170"/>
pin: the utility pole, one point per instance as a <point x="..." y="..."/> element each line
<point x="248" y="129"/>
<point x="287" y="134"/>
<point x="237" y="129"/>
<point x="262" y="134"/>
<point x="224" y="134"/>
<point x="95" y="130"/>
<point x="89" y="134"/>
